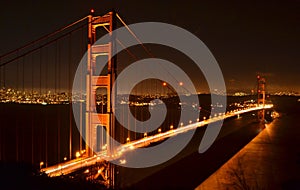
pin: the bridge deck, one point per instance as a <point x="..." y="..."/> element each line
<point x="76" y="164"/>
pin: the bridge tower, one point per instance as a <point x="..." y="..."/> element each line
<point x="261" y="97"/>
<point x="105" y="119"/>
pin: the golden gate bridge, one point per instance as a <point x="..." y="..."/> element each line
<point x="42" y="71"/>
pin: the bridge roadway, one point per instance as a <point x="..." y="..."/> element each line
<point x="78" y="163"/>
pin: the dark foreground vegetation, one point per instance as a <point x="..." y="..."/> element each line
<point x="24" y="176"/>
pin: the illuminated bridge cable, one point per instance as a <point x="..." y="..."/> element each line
<point x="40" y="67"/>
<point x="55" y="65"/>
<point x="41" y="46"/>
<point x="18" y="75"/>
<point x="81" y="88"/>
<point x="4" y="68"/>
<point x="123" y="46"/>
<point x="139" y="41"/>
<point x="0" y="79"/>
<point x="46" y="71"/>
<point x="32" y="76"/>
<point x="23" y="75"/>
<point x="133" y="34"/>
<point x="32" y="145"/>
<point x="135" y="58"/>
<point x="150" y="54"/>
<point x="70" y="91"/>
<point x="43" y="38"/>
<point x="46" y="141"/>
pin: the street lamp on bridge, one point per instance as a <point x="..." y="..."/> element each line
<point x="41" y="164"/>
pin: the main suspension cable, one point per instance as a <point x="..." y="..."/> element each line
<point x="43" y="38"/>
<point x="133" y="34"/>
<point x="43" y="45"/>
<point x="149" y="53"/>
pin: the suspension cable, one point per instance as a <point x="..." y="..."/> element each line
<point x="123" y="46"/>
<point x="47" y="43"/>
<point x="43" y="37"/>
<point x="18" y="75"/>
<point x="147" y="51"/>
<point x="133" y="34"/>
<point x="43" y="45"/>
<point x="40" y="64"/>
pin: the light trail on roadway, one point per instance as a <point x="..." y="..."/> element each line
<point x="78" y="163"/>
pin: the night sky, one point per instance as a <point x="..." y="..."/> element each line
<point x="246" y="37"/>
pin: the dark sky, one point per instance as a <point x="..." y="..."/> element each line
<point x="246" y="37"/>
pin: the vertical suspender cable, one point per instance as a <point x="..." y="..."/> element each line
<point x="57" y="63"/>
<point x="1" y="130"/>
<point x="128" y="124"/>
<point x="80" y="94"/>
<point x="70" y="90"/>
<point x="32" y="145"/>
<point x="40" y="72"/>
<point x="17" y="122"/>
<point x="20" y="68"/>
<point x="4" y="68"/>
<point x="135" y="110"/>
<point x="17" y="86"/>
<point x="41" y="92"/>
<point x="55" y="66"/>
<point x="0" y="78"/>
<point x="46" y="119"/>
<point x="32" y="76"/>
<point x="23" y="76"/>
<point x="17" y="140"/>
<point x="58" y="134"/>
<point x="46" y="71"/>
